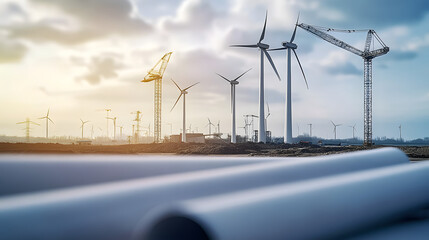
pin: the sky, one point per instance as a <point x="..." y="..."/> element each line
<point x="78" y="57"/>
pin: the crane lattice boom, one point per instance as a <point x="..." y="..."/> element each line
<point x="367" y="55"/>
<point x="156" y="74"/>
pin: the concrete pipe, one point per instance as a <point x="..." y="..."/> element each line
<point x="334" y="207"/>
<point x="114" y="210"/>
<point x="30" y="173"/>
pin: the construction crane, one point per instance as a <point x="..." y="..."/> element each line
<point x="155" y="74"/>
<point x="367" y="54"/>
<point x="137" y="119"/>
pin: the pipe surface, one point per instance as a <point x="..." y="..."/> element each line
<point x="29" y="173"/>
<point x="333" y="207"/>
<point x="114" y="210"/>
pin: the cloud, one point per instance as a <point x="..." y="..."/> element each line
<point x="94" y="19"/>
<point x="192" y="15"/>
<point x="401" y="55"/>
<point x="101" y="68"/>
<point x="337" y="63"/>
<point x="11" y="51"/>
<point x="378" y="14"/>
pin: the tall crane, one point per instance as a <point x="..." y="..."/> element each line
<point x="367" y="54"/>
<point x="155" y="74"/>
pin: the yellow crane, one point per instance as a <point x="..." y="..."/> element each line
<point x="155" y="74"/>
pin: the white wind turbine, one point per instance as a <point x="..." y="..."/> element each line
<point x="233" y="83"/>
<point x="263" y="48"/>
<point x="335" y="129"/>
<point x="47" y="122"/>
<point x="83" y="124"/>
<point x="288" y="120"/>
<point x="182" y="92"/>
<point x="210" y="124"/>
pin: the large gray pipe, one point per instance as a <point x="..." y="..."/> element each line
<point x="328" y="208"/>
<point x="29" y="173"/>
<point x="114" y="210"/>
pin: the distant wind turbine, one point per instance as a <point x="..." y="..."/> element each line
<point x="47" y="122"/>
<point x="263" y="48"/>
<point x="233" y="83"/>
<point x="210" y="124"/>
<point x="183" y="92"/>
<point x="354" y="130"/>
<point x="335" y="129"/>
<point x="114" y="126"/>
<point x="288" y="120"/>
<point x="83" y="124"/>
<point x="266" y="117"/>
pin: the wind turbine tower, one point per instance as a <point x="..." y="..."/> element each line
<point x="183" y="92"/>
<point x="27" y="123"/>
<point x="83" y="124"/>
<point x="290" y="47"/>
<point x="156" y="74"/>
<point x="114" y="126"/>
<point x="47" y="123"/>
<point x="400" y="132"/>
<point x="210" y="124"/>
<point x="367" y="54"/>
<point x="335" y="129"/>
<point x="354" y="130"/>
<point x="311" y="129"/>
<point x="233" y="83"/>
<point x="263" y="49"/>
<point x="107" y="120"/>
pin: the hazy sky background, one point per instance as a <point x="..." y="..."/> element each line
<point x="78" y="56"/>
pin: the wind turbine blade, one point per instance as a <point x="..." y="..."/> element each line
<point x="223" y="77"/>
<point x="51" y="120"/>
<point x="34" y="123"/>
<point x="245" y="45"/>
<point x="271" y="62"/>
<point x="276" y="49"/>
<point x="332" y="123"/>
<point x="268" y="107"/>
<point x="41" y="117"/>
<point x="191" y="86"/>
<point x="176" y="85"/>
<point x="294" y="31"/>
<point x="302" y="70"/>
<point x="176" y="102"/>
<point x="241" y="75"/>
<point x="263" y="30"/>
<point x="81" y="120"/>
<point x="47" y="114"/>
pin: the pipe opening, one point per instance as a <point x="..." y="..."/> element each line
<point x="177" y="228"/>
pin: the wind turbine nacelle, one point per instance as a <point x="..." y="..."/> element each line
<point x="234" y="82"/>
<point x="263" y="45"/>
<point x="289" y="45"/>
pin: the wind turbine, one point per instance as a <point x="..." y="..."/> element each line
<point x="210" y="124"/>
<point x="47" y="122"/>
<point x="83" y="124"/>
<point x="182" y="92"/>
<point x="263" y="48"/>
<point x="114" y="126"/>
<point x="290" y="47"/>
<point x="400" y="132"/>
<point x="311" y="129"/>
<point x="354" y="130"/>
<point x="335" y="129"/>
<point x="233" y="83"/>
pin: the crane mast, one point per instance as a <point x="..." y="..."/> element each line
<point x="156" y="74"/>
<point x="367" y="56"/>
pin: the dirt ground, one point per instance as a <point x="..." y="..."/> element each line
<point x="251" y="149"/>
